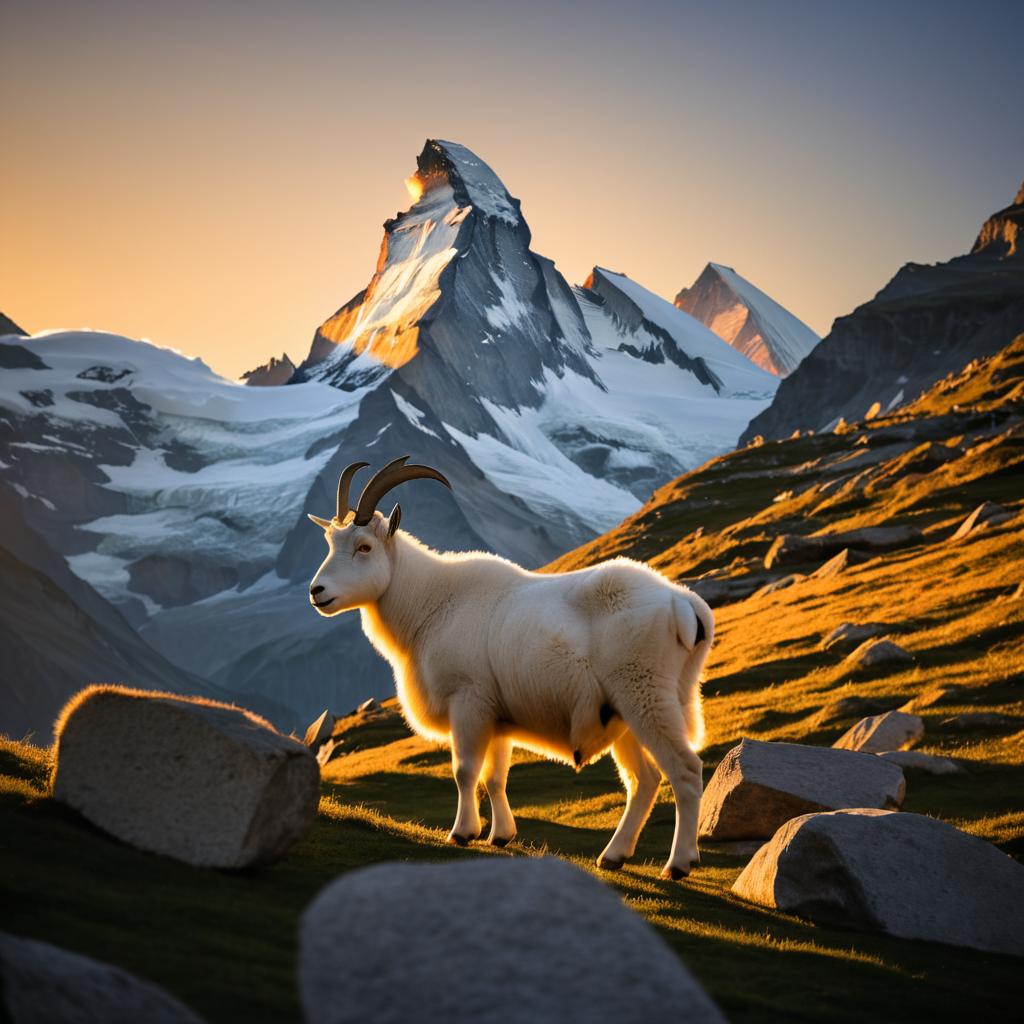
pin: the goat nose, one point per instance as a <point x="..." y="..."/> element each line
<point x="313" y="591"/>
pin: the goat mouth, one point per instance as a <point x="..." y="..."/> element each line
<point x="321" y="604"/>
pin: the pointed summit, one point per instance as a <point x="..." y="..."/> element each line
<point x="752" y="322"/>
<point x="270" y="374"/>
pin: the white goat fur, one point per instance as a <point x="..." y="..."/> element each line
<point x="488" y="656"/>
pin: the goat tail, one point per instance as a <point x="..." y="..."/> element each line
<point x="695" y="630"/>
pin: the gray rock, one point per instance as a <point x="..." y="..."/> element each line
<point x="927" y="764"/>
<point x="758" y="786"/>
<point x="986" y="514"/>
<point x="904" y="874"/>
<point x="877" y="653"/>
<point x="516" y="940"/>
<point x="42" y="984"/>
<point x="833" y="567"/>
<point x="204" y="782"/>
<point x="790" y="548"/>
<point x="783" y="583"/>
<point x="849" y="635"/>
<point x="895" y="730"/>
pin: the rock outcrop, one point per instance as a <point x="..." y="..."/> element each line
<point x="758" y="786"/>
<point x="904" y="874"/>
<point x="203" y="782"/>
<point x="520" y="940"/>
<point x="926" y="322"/>
<point x="850" y="635"/>
<point x="272" y="373"/>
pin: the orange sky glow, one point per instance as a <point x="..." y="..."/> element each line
<point x="214" y="177"/>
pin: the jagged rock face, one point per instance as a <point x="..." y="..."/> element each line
<point x="1001" y="235"/>
<point x="748" y="319"/>
<point x="271" y="374"/>
<point x="928" y="321"/>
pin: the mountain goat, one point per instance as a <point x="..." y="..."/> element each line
<point x="488" y="656"/>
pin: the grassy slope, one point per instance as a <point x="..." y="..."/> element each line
<point x="225" y="942"/>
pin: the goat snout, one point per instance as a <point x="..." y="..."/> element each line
<point x="313" y="591"/>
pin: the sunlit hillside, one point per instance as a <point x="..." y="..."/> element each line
<point x="225" y="942"/>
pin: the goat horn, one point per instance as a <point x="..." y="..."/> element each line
<point x="344" y="483"/>
<point x="393" y="474"/>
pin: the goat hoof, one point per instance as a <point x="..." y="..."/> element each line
<point x="462" y="840"/>
<point x="674" y="873"/>
<point x="501" y="841"/>
<point x="607" y="864"/>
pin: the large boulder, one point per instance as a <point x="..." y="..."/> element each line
<point x="42" y="984"/>
<point x="895" y="730"/>
<point x="758" y="786"/>
<point x="516" y="940"/>
<point x="207" y="783"/>
<point x="904" y="874"/>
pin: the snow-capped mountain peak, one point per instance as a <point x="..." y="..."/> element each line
<point x="749" y="320"/>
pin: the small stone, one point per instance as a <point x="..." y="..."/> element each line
<point x="519" y="940"/>
<point x="904" y="874"/>
<point x="40" y="983"/>
<point x="758" y="786"/>
<point x="201" y="781"/>
<point x="876" y="653"/>
<point x="927" y="764"/>
<point x="849" y="635"/>
<point x="833" y="567"/>
<point x="780" y="584"/>
<point x="986" y="514"/>
<point x="895" y="730"/>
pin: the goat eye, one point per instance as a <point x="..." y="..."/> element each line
<point x="364" y="547"/>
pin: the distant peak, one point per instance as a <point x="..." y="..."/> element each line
<point x="8" y="326"/>
<point x="472" y="180"/>
<point x="1002" y="235"/>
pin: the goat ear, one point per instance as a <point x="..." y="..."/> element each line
<point x="394" y="519"/>
<point x="324" y="524"/>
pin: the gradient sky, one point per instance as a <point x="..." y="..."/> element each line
<point x="214" y="176"/>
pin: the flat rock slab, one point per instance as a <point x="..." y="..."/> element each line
<point x="790" y="548"/>
<point x="850" y="635"/>
<point x="207" y="783"/>
<point x="904" y="874"/>
<point x="42" y="984"/>
<point x="518" y="940"/>
<point x="877" y="653"/>
<point x="758" y="786"/>
<point x="894" y="730"/>
<point x="927" y="764"/>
